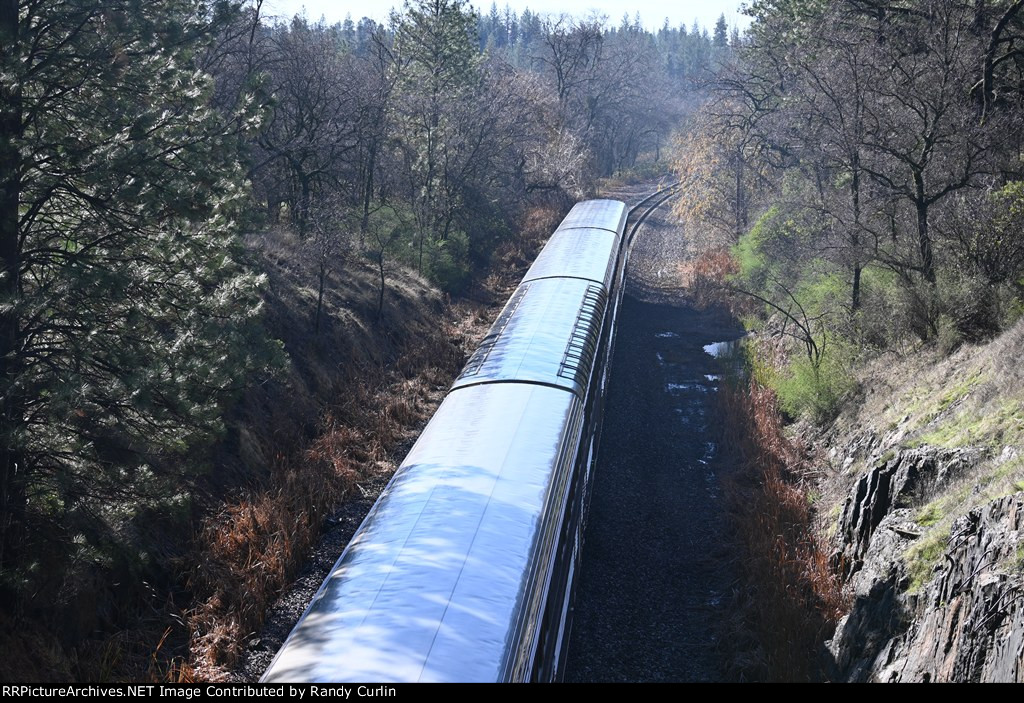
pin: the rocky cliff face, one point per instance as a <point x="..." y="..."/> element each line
<point x="935" y="598"/>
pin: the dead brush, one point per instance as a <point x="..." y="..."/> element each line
<point x="438" y="356"/>
<point x="247" y="553"/>
<point x="174" y="669"/>
<point x="402" y="410"/>
<point x="789" y="599"/>
<point x="707" y="279"/>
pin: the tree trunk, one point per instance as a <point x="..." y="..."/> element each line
<point x="923" y="237"/>
<point x="320" y="298"/>
<point x="303" y="210"/>
<point x="12" y="469"/>
<point x="855" y="234"/>
<point x="855" y="302"/>
<point x="741" y="217"/>
<point x="380" y="296"/>
<point x="368" y="189"/>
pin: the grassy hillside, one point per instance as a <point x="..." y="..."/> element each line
<point x="971" y="401"/>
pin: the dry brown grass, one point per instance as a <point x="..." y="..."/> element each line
<point x="705" y="278"/>
<point x="247" y="553"/>
<point x="790" y="599"/>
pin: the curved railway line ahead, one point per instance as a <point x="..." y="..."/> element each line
<point x="648" y="586"/>
<point x="464" y="568"/>
<point x="654" y="573"/>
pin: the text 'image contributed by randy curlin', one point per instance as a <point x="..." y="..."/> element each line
<point x="192" y="692"/>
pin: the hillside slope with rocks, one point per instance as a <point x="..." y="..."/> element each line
<point x="924" y="506"/>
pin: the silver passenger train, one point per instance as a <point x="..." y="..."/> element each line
<point x="463" y="569"/>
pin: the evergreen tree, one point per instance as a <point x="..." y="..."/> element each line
<point x="511" y="26"/>
<point x="348" y="31"/>
<point x="721" y="36"/>
<point x="439" y="67"/>
<point x="496" y="30"/>
<point x="529" y="28"/>
<point x="125" y="314"/>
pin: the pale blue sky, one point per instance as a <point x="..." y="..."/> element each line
<point x="652" y="12"/>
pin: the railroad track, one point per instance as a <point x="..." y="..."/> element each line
<point x="654" y="572"/>
<point x="405" y="641"/>
<point x="643" y="209"/>
<point x="638" y="215"/>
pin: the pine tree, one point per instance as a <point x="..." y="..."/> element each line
<point x="496" y="27"/>
<point x="439" y="68"/>
<point x="721" y="36"/>
<point x="125" y="314"/>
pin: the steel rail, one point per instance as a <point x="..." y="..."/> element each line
<point x="665" y="193"/>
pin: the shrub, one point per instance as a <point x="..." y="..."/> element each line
<point x="754" y="263"/>
<point x="446" y="262"/>
<point x="884" y="315"/>
<point x="814" y="392"/>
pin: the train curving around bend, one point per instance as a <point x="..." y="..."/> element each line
<point x="463" y="569"/>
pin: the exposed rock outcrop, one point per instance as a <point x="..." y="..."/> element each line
<point x="965" y="622"/>
<point x="908" y="476"/>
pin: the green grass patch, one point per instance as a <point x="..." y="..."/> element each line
<point x="922" y="557"/>
<point x="959" y="391"/>
<point x="929" y="514"/>
<point x="989" y="427"/>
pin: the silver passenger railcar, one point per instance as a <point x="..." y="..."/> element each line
<point x="463" y="569"/>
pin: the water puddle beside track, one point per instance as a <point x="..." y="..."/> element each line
<point x="650" y="587"/>
<point x="720" y="350"/>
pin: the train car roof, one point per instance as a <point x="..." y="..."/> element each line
<point x="432" y="587"/>
<point x="547" y="333"/>
<point x="602" y="214"/>
<point x="582" y="252"/>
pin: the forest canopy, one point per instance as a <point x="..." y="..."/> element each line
<point x="862" y="159"/>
